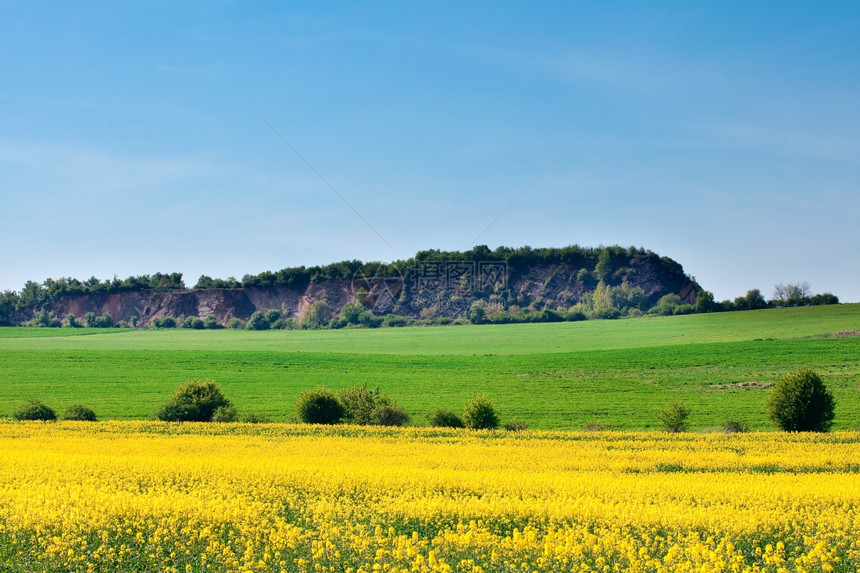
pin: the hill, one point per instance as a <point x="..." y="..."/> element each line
<point x="504" y="285"/>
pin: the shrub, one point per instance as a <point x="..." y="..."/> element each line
<point x="251" y="418"/>
<point x="389" y="415"/>
<point x="164" y="322"/>
<point x="79" y="413"/>
<point x="359" y="403"/>
<point x="674" y="418"/>
<point x="211" y="322"/>
<point x="479" y="414"/>
<point x="445" y="419"/>
<point x="225" y="414"/>
<point x="516" y="426"/>
<point x="235" y="323"/>
<point x="800" y="402"/>
<point x="34" y="410"/>
<point x="319" y="406"/>
<point x="194" y="401"/>
<point x="316" y="315"/>
<point x="193" y="322"/>
<point x="258" y="321"/>
<point x="733" y="426"/>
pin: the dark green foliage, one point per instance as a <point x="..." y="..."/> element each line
<point x="516" y="426"/>
<point x="72" y="321"/>
<point x="705" y="301"/>
<point x="252" y="418"/>
<point x="79" y="413"/>
<point x="733" y="426"/>
<point x="752" y="301"/>
<point x="235" y="323"/>
<point x="34" y="410"/>
<point x="316" y="315"/>
<point x="258" y="321"/>
<point x="193" y="322"/>
<point x="800" y="402"/>
<point x="210" y="322"/>
<point x="319" y="406"/>
<point x="164" y="322"/>
<point x="666" y="305"/>
<point x="194" y="401"/>
<point x="480" y="414"/>
<point x="674" y="417"/>
<point x="359" y="403"/>
<point x="389" y="415"/>
<point x="442" y="418"/>
<point x="225" y="414"/>
<point x="45" y="319"/>
<point x="825" y="298"/>
<point x="352" y="312"/>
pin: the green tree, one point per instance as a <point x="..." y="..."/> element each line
<point x="352" y="312"/>
<point x="34" y="410"/>
<point x="194" y="401"/>
<point x="443" y="418"/>
<point x="800" y="402"/>
<point x="319" y="406"/>
<point x="79" y="413"/>
<point x="705" y="301"/>
<point x="258" y="321"/>
<point x="674" y="417"/>
<point x="316" y="315"/>
<point x="359" y="403"/>
<point x="193" y="322"/>
<point x="480" y="414"/>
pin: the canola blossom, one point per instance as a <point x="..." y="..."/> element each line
<point x="144" y="496"/>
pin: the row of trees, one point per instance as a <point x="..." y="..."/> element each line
<point x="800" y="402"/>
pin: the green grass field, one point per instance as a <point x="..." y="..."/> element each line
<point x="553" y="376"/>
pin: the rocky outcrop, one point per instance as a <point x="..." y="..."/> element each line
<point x="427" y="288"/>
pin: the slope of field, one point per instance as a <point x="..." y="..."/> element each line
<point x="125" y="496"/>
<point x="553" y="376"/>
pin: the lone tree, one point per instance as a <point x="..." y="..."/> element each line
<point x="194" y="401"/>
<point x="480" y="414"/>
<point x="800" y="402"/>
<point x="319" y="406"/>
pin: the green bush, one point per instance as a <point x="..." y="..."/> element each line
<point x="34" y="410"/>
<point x="194" y="401"/>
<point x="225" y="414"/>
<point x="258" y="321"/>
<point x="251" y="418"/>
<point x="319" y="406"/>
<point x="359" y="403"/>
<point x="733" y="426"/>
<point x="442" y="418"/>
<point x="800" y="402"/>
<point x="480" y="414"/>
<point x="674" y="418"/>
<point x="79" y="413"/>
<point x="234" y="323"/>
<point x="389" y="415"/>
<point x="211" y="322"/>
<point x="193" y="322"/>
<point x="516" y="426"/>
<point x="163" y="322"/>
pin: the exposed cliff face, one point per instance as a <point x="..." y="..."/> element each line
<point x="429" y="289"/>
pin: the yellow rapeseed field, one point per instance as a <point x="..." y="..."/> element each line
<point x="146" y="496"/>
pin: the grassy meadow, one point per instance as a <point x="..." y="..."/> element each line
<point x="552" y="376"/>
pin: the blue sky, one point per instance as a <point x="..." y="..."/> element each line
<point x="723" y="135"/>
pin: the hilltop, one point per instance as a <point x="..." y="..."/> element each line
<point x="502" y="285"/>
